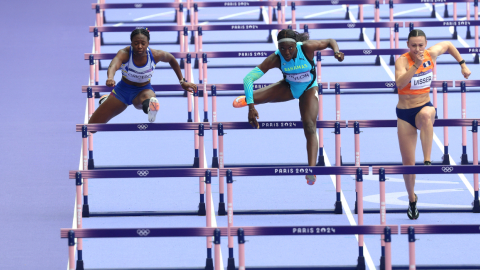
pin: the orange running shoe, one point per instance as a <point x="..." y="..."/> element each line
<point x="153" y="108"/>
<point x="311" y="179"/>
<point x="240" y="102"/>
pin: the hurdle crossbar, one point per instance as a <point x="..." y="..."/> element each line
<point x="208" y="232"/>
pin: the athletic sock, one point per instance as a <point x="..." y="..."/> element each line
<point x="146" y="104"/>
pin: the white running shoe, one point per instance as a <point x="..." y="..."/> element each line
<point x="153" y="108"/>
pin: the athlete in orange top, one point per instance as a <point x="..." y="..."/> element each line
<point x="413" y="76"/>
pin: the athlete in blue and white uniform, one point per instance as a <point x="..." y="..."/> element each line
<point x="137" y="63"/>
<point x="294" y="58"/>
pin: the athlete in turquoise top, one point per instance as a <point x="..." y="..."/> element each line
<point x="294" y="58"/>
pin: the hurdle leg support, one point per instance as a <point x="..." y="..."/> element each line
<point x="231" y="260"/>
<point x="201" y="206"/>
<point x="79" y="265"/>
<point x="321" y="157"/>
<point x="377" y="60"/>
<point x="338" y="205"/>
<point x="446" y="157"/>
<point x="361" y="263"/>
<point x="221" y="206"/>
<point x="476" y="205"/>
<point x="209" y="263"/>
<point x="361" y="38"/>
<point x="260" y="18"/>
<point x="382" y="259"/>
<point x="85" y="210"/>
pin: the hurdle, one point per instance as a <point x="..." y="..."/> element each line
<point x="377" y="25"/>
<point x="360" y="3"/>
<point x="88" y="154"/>
<point x="336" y="125"/>
<point x="101" y="7"/>
<point x="412" y="230"/>
<point x="286" y="170"/>
<point x="454" y="23"/>
<point x="80" y="234"/>
<point x="315" y="230"/>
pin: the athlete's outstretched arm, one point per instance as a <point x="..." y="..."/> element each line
<point x="121" y="57"/>
<point x="272" y="61"/>
<point x="447" y="46"/>
<point x="166" y="57"/>
<point x="317" y="45"/>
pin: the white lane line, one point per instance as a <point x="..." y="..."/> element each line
<point x="393" y="198"/>
<point x="400" y="180"/>
<point x="118" y="24"/>
<point x="153" y="15"/>
<point x="435" y="137"/>
<point x="238" y="14"/>
<point x="323" y="13"/>
<point x="351" y="219"/>
<point x="409" y="11"/>
<point x="460" y="39"/>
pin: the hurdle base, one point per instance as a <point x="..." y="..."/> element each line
<point x="382" y="262"/>
<point x="361" y="263"/>
<point x="356" y="209"/>
<point x="338" y="207"/>
<point x="466" y="209"/>
<point x="196" y="63"/>
<point x="464" y="159"/>
<point x="209" y="264"/>
<point x="231" y="264"/>
<point x="260" y="18"/>
<point x="91" y="164"/>
<point x="446" y="159"/>
<point x="361" y="38"/>
<point x="85" y="211"/>
<point x="377" y="60"/>
<point x="321" y="161"/>
<point x="214" y="162"/>
<point x="201" y="209"/>
<point x="284" y="212"/>
<point x="455" y="33"/>
<point x="97" y="95"/>
<point x="469" y="34"/>
<point x="476" y="206"/>
<point x="196" y="162"/>
<point x="79" y="265"/>
<point x="432" y="266"/>
<point x="392" y="60"/>
<point x="221" y="209"/>
<point x="476" y="59"/>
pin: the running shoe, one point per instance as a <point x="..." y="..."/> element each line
<point x="240" y="102"/>
<point x="153" y="108"/>
<point x="311" y="179"/>
<point x="427" y="163"/>
<point x="102" y="99"/>
<point x="412" y="212"/>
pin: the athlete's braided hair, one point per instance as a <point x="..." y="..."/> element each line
<point x="417" y="33"/>
<point x="143" y="31"/>
<point x="288" y="33"/>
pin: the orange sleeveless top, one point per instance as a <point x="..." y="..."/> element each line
<point x="422" y="79"/>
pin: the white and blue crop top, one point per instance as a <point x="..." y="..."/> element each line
<point x="138" y="74"/>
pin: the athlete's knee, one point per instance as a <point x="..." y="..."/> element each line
<point x="309" y="127"/>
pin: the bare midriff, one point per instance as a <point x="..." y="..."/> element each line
<point x="412" y="101"/>
<point x="134" y="83"/>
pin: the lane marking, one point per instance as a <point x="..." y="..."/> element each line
<point x="351" y="219"/>
<point x="409" y="11"/>
<point x="400" y="180"/>
<point x="238" y="14"/>
<point x="393" y="198"/>
<point x="153" y="15"/>
<point x="323" y="13"/>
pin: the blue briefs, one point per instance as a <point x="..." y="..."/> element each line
<point x="126" y="93"/>
<point x="408" y="115"/>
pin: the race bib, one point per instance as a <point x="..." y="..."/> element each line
<point x="300" y="77"/>
<point x="421" y="80"/>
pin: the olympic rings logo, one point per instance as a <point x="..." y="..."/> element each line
<point x="334" y="2"/>
<point x="142" y="126"/>
<point x="138" y="5"/>
<point x="142" y="173"/>
<point x="350" y="25"/>
<point x="447" y="169"/>
<point x="143" y="232"/>
<point x="367" y="51"/>
<point x="390" y="84"/>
